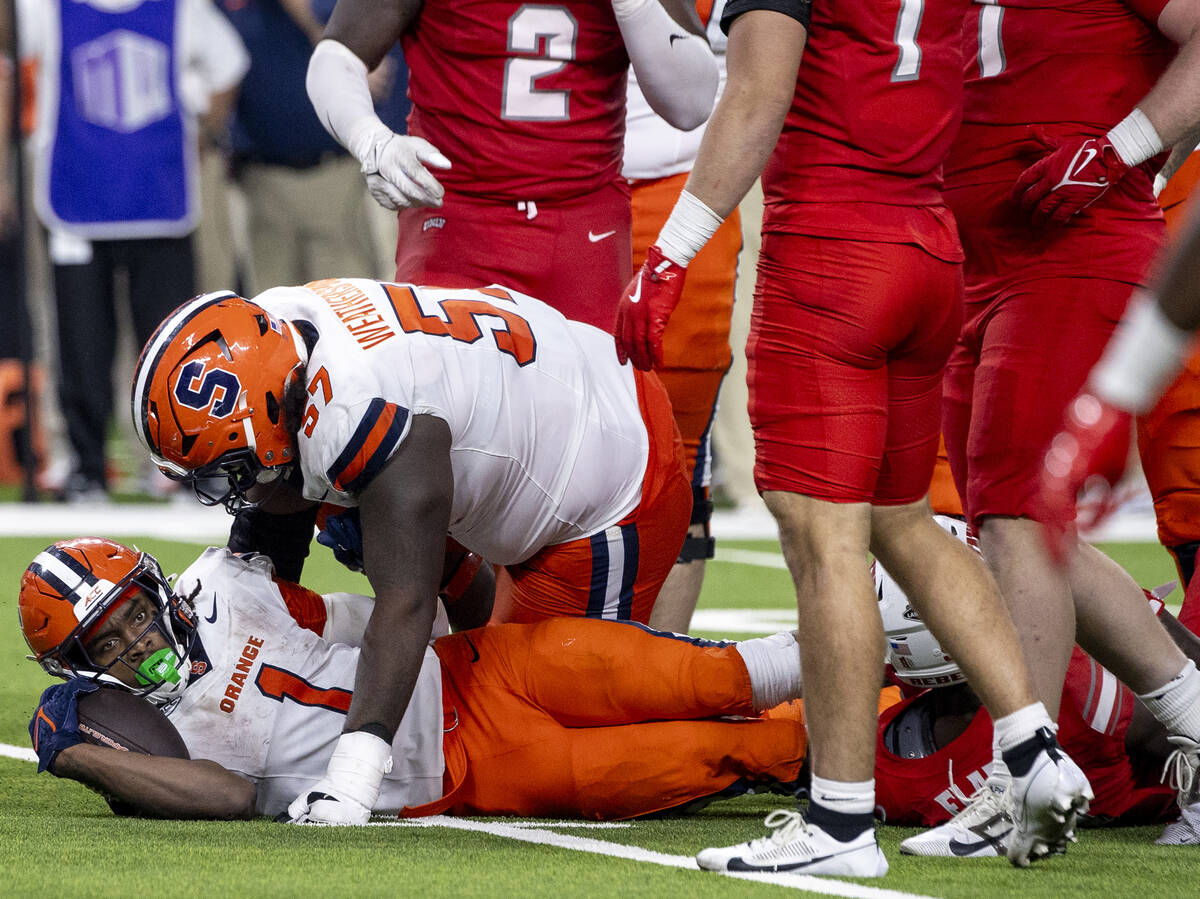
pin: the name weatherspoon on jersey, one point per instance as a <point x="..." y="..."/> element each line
<point x="356" y="312"/>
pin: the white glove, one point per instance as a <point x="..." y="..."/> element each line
<point x="347" y="792"/>
<point x="395" y="166"/>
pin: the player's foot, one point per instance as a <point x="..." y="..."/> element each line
<point x="978" y="831"/>
<point x="1047" y="795"/>
<point x="797" y="846"/>
<point x="1182" y="771"/>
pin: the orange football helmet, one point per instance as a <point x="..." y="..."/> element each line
<point x="71" y="587"/>
<point x="208" y="395"/>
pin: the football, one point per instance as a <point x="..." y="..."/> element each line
<point x="118" y="719"/>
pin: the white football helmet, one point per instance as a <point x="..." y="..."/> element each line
<point x="912" y="651"/>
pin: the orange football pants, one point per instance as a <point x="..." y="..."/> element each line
<point x="599" y="719"/>
<point x="618" y="572"/>
<point x="696" y="351"/>
<point x="1169" y="435"/>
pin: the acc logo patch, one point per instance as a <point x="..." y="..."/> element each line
<point x="198" y="389"/>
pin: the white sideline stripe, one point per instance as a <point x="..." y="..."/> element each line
<point x="638" y="854"/>
<point x="757" y="557"/>
<point x="189" y="522"/>
<point x="18" y="752"/>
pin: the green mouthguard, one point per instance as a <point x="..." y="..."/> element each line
<point x="160" y="668"/>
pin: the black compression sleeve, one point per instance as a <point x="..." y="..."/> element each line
<point x="284" y="539"/>
<point x="800" y="10"/>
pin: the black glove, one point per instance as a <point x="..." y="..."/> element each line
<point x="55" y="724"/>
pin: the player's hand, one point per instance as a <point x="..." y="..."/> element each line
<point x="347" y="792"/>
<point x="644" y="309"/>
<point x="1088" y="453"/>
<point x="395" y="166"/>
<point x="343" y="534"/>
<point x="1070" y="178"/>
<point x="55" y="724"/>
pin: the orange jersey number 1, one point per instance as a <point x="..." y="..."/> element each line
<point x="510" y="331"/>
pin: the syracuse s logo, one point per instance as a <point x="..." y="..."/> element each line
<point x="197" y="389"/>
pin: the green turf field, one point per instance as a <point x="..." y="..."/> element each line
<point x="57" y="838"/>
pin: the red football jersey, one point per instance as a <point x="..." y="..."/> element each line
<point x="1086" y="62"/>
<point x="526" y="99"/>
<point x="1092" y="722"/>
<point x="878" y="101"/>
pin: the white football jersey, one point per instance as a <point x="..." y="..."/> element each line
<point x="547" y="440"/>
<point x="267" y="698"/>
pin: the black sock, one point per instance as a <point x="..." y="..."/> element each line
<point x="1020" y="758"/>
<point x="842" y="826"/>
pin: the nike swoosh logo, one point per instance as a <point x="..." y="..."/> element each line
<point x="636" y="296"/>
<point x="213" y="617"/>
<point x="473" y="649"/>
<point x="1091" y="154"/>
<point x="675" y="37"/>
<point x="593" y="236"/>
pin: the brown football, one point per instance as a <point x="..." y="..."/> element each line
<point x="116" y="718"/>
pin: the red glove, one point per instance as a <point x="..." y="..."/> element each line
<point x="1089" y="453"/>
<point x="1068" y="180"/>
<point x="645" y="307"/>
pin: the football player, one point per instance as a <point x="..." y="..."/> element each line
<point x="482" y="414"/>
<point x="566" y="717"/>
<point x="935" y="750"/>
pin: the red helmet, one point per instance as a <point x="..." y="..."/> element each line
<point x="208" y="394"/>
<point x="72" y="585"/>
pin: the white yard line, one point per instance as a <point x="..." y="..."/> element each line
<point x="17" y="752"/>
<point x="649" y="856"/>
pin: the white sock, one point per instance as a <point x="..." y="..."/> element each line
<point x="774" y="666"/>
<point x="1176" y="704"/>
<point x="846" y="797"/>
<point x="1012" y="729"/>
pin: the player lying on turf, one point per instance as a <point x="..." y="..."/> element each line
<point x="567" y="717"/>
<point x="482" y="414"/>
<point x="934" y="747"/>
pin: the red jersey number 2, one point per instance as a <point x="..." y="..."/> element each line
<point x="461" y="321"/>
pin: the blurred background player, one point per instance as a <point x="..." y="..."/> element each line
<point x="1077" y="165"/>
<point x="307" y="210"/>
<point x="122" y="89"/>
<point x="476" y="424"/>
<point x="567" y="717"/>
<point x="856" y="310"/>
<point x="515" y="135"/>
<point x="696" y="352"/>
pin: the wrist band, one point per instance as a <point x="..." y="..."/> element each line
<point x="1143" y="357"/>
<point x="1135" y="138"/>
<point x="688" y="229"/>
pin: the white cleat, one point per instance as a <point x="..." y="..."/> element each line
<point x="798" y="847"/>
<point x="978" y="831"/>
<point x="1182" y="771"/>
<point x="1045" y="802"/>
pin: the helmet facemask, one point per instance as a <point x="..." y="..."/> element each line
<point x="160" y="677"/>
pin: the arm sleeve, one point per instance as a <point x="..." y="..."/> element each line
<point x="337" y="87"/>
<point x="675" y="69"/>
<point x="800" y="10"/>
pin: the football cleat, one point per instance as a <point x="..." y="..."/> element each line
<point x="978" y="831"/>
<point x="1182" y="771"/>
<point x="1047" y="795"/>
<point x="796" y="846"/>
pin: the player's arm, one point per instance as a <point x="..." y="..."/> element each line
<point x="675" y="67"/>
<point x="762" y="62"/>
<point x="405" y="514"/>
<point x="157" y="786"/>
<point x="1075" y="174"/>
<point x="279" y="526"/>
<point x="359" y="34"/>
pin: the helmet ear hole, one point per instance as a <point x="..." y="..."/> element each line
<point x="273" y="408"/>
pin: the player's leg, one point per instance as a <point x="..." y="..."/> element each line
<point x="818" y="388"/>
<point x="87" y="325"/>
<point x="696" y="354"/>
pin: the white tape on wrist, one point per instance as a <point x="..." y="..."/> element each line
<point x="1142" y="358"/>
<point x="1135" y="138"/>
<point x="688" y="229"/>
<point x="357" y="766"/>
